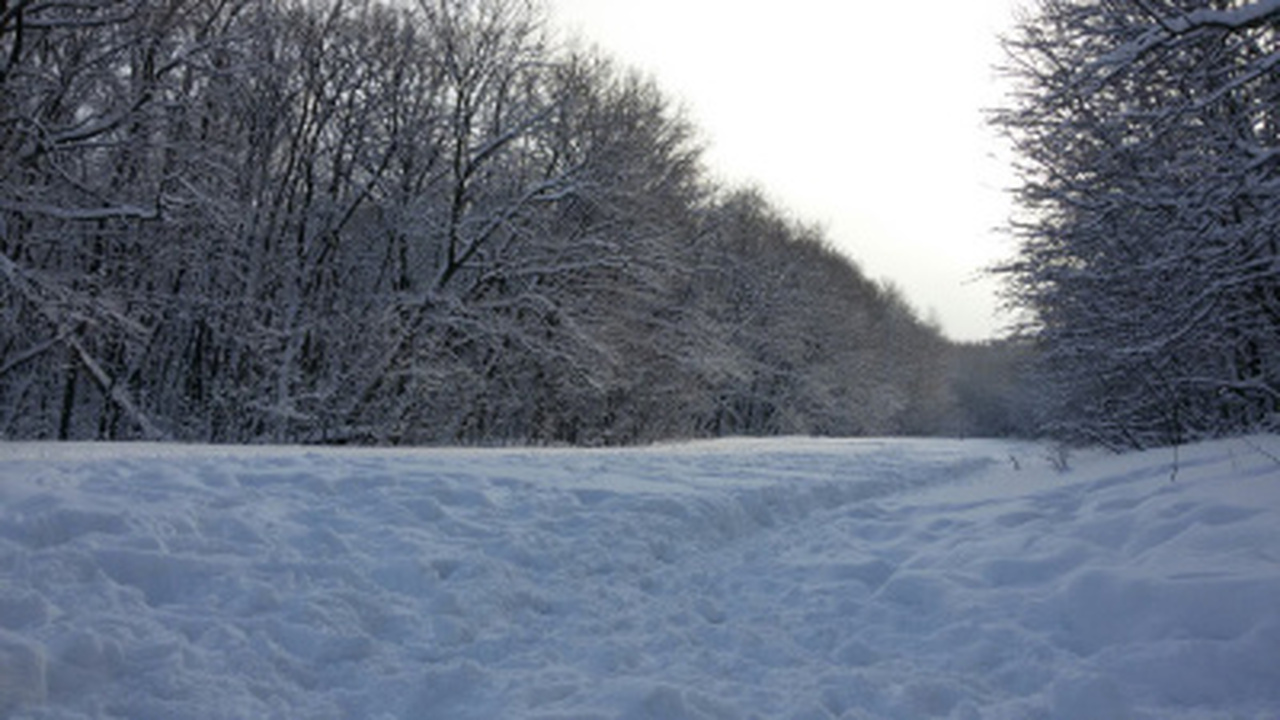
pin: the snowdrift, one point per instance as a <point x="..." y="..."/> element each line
<point x="798" y="579"/>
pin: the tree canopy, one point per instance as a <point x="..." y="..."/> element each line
<point x="359" y="221"/>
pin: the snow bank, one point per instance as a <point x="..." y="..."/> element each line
<point x="798" y="579"/>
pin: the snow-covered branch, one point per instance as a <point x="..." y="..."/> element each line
<point x="132" y="212"/>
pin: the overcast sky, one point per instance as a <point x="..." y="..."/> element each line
<point x="864" y="117"/>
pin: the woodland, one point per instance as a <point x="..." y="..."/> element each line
<point x="439" y="222"/>
<point x="359" y="221"/>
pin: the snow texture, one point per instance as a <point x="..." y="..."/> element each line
<point x="797" y="579"/>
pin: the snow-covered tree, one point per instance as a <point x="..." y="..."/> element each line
<point x="1149" y="266"/>
<point x="93" y="97"/>
<point x="818" y="347"/>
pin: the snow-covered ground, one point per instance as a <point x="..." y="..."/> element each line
<point x="791" y="578"/>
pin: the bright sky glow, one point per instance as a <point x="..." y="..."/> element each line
<point x="866" y="118"/>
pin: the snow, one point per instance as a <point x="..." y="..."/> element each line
<point x="794" y="578"/>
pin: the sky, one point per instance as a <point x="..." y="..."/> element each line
<point x="864" y="118"/>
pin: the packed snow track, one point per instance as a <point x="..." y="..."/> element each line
<point x="794" y="578"/>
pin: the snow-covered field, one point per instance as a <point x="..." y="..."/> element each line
<point x="735" y="579"/>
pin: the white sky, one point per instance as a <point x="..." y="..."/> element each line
<point x="864" y="117"/>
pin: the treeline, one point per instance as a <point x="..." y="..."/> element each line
<point x="1149" y="133"/>
<point x="359" y="221"/>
